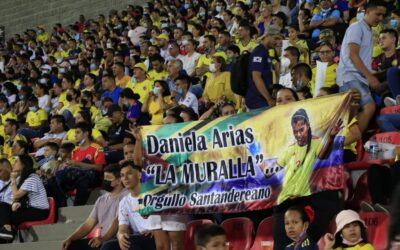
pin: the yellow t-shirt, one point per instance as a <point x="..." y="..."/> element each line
<point x="330" y="76"/>
<point x="249" y="47"/>
<point x="204" y="60"/>
<point x="298" y="165"/>
<point x="4" y="117"/>
<point x="70" y="136"/>
<point x="63" y="98"/>
<point x="156" y="111"/>
<point x="8" y="144"/>
<point x="34" y="119"/>
<point x="142" y="88"/>
<point x="155" y="76"/>
<point x="304" y="57"/>
<point x="219" y="86"/>
<point x="73" y="108"/>
<point x="347" y="132"/>
<point x="44" y="37"/>
<point x="123" y="82"/>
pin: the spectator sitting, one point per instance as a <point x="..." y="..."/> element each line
<point x="285" y="96"/>
<point x="158" y="102"/>
<point x="83" y="170"/>
<point x="143" y="85"/>
<point x="5" y="182"/>
<point x="104" y="214"/>
<point x="290" y="58"/>
<point x="131" y="104"/>
<point x="41" y="91"/>
<point x="22" y="106"/>
<point x="66" y="84"/>
<point x="117" y="136"/>
<point x="279" y="19"/>
<point x="69" y="110"/>
<point x="191" y="58"/>
<point x="158" y="72"/>
<point x="245" y="43"/>
<point x="304" y="93"/>
<point x="56" y="134"/>
<point x="5" y="113"/>
<point x="10" y="130"/>
<point x="233" y="52"/>
<point x="219" y="83"/>
<point x="83" y="116"/>
<point x="187" y="99"/>
<point x="48" y="165"/>
<point x="300" y="44"/>
<point x="301" y="75"/>
<point x="210" y="237"/>
<point x="11" y="92"/>
<point x="350" y="233"/>
<point x="89" y="82"/>
<point x="121" y="79"/>
<point x="110" y="88"/>
<point x="29" y="198"/>
<point x="36" y="120"/>
<point x="188" y="115"/>
<point x="100" y="119"/>
<point x="328" y="17"/>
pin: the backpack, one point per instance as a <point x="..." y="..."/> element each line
<point x="240" y="73"/>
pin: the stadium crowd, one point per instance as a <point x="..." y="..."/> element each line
<point x="73" y="98"/>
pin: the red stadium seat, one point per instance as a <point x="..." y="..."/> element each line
<point x="390" y="110"/>
<point x="239" y="232"/>
<point x="377" y="226"/>
<point x="360" y="193"/>
<point x="264" y="233"/>
<point x="388" y="137"/>
<point x="191" y="230"/>
<point x="94" y="233"/>
<point x="51" y="219"/>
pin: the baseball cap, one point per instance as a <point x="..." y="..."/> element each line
<point x="271" y="30"/>
<point x="113" y="108"/>
<point x="141" y="66"/>
<point x="163" y="36"/>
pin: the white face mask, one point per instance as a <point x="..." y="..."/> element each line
<point x="285" y="62"/>
<point x="212" y="68"/>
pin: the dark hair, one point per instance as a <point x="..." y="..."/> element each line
<point x="294" y="94"/>
<point x="54" y="146"/>
<point x="176" y="117"/>
<point x="303" y="215"/>
<point x="392" y="32"/>
<point x="185" y="79"/>
<point x="331" y="90"/>
<point x="165" y="86"/>
<point x="24" y="145"/>
<point x="13" y="122"/>
<point x="110" y="77"/>
<point x="128" y="93"/>
<point x="192" y="115"/>
<point x="339" y="240"/>
<point x="303" y="67"/>
<point x="68" y="146"/>
<point x="301" y="115"/>
<point x="222" y="61"/>
<point x="234" y="49"/>
<point x="375" y="4"/>
<point x="4" y="161"/>
<point x="157" y="57"/>
<point x="306" y="92"/>
<point x="120" y="64"/>
<point x="294" y="51"/>
<point x="132" y="165"/>
<point x="211" y="38"/>
<point x="326" y="43"/>
<point x="59" y="119"/>
<point x="207" y="231"/>
<point x="85" y="127"/>
<point x="113" y="169"/>
<point x="27" y="168"/>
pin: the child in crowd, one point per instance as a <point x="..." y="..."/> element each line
<point x="297" y="221"/>
<point x="210" y="237"/>
<point x="48" y="164"/>
<point x="350" y="233"/>
<point x="65" y="155"/>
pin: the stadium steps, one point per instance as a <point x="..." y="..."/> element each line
<point x="45" y="245"/>
<point x="74" y="214"/>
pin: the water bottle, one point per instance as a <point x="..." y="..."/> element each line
<point x="374" y="150"/>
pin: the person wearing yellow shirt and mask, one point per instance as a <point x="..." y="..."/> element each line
<point x="143" y="85"/>
<point x="66" y="84"/>
<point x="158" y="72"/>
<point x="5" y="113"/>
<point x="202" y="67"/>
<point x="158" y="102"/>
<point x="10" y="130"/>
<point x="245" y="43"/>
<point x="69" y="111"/>
<point x="326" y="54"/>
<point x="36" y="120"/>
<point x="219" y="84"/>
<point x="121" y="79"/>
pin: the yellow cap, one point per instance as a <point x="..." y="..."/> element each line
<point x="141" y="66"/>
<point x="163" y="36"/>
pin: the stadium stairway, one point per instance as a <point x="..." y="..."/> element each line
<point x="49" y="237"/>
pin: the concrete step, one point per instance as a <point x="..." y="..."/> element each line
<point x="75" y="214"/>
<point x="58" y="231"/>
<point x="45" y="245"/>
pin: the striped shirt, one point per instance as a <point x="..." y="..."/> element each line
<point x="36" y="192"/>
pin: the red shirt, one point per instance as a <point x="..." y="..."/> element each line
<point x="93" y="154"/>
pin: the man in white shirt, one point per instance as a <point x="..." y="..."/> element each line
<point x="5" y="187"/>
<point x="185" y="97"/>
<point x="56" y="134"/>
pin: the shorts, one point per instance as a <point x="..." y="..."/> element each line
<point x="173" y="222"/>
<point x="366" y="96"/>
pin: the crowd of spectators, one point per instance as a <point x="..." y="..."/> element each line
<point x="72" y="99"/>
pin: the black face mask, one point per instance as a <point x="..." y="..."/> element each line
<point x="69" y="98"/>
<point x="107" y="186"/>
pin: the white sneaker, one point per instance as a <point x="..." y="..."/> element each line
<point x="389" y="101"/>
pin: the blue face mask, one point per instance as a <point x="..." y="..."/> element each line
<point x="360" y="16"/>
<point x="310" y="1"/>
<point x="93" y="66"/>
<point x="179" y="91"/>
<point x="42" y="81"/>
<point x="393" y="23"/>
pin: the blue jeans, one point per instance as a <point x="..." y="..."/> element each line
<point x="366" y="96"/>
<point x="393" y="80"/>
<point x="389" y="122"/>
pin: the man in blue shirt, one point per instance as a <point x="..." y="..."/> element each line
<point x="259" y="93"/>
<point x="328" y="17"/>
<point x="110" y="89"/>
<point x="354" y="70"/>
